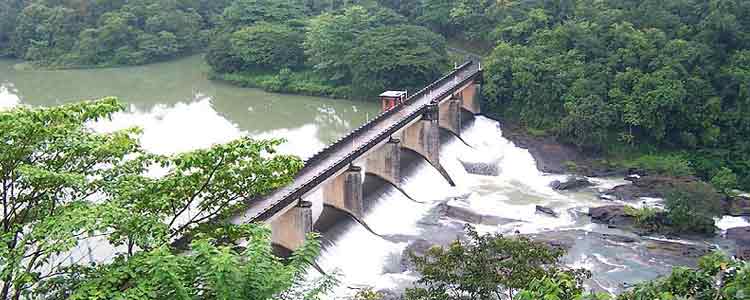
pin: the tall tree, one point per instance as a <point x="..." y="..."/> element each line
<point x="63" y="184"/>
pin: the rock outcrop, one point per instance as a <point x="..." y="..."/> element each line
<point x="572" y="183"/>
<point x="482" y="168"/>
<point x="546" y="210"/>
<point x="741" y="238"/>
<point x="470" y="216"/>
<point x="614" y="215"/>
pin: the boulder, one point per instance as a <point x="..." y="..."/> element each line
<point x="572" y="183"/>
<point x="737" y="206"/>
<point x="482" y="168"/>
<point x="612" y="215"/>
<point x="647" y="186"/>
<point x="741" y="238"/>
<point x="470" y="216"/>
<point x="676" y="249"/>
<point x="418" y="248"/>
<point x="739" y="233"/>
<point x="546" y="210"/>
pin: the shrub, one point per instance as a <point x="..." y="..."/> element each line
<point x="725" y="180"/>
<point x="486" y="267"/>
<point x="671" y="165"/>
<point x="692" y="206"/>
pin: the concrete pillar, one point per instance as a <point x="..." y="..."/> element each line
<point x="345" y="192"/>
<point x="471" y="97"/>
<point x="424" y="136"/>
<point x="386" y="162"/>
<point x="450" y="115"/>
<point x="290" y="229"/>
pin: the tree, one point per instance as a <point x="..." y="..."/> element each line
<point x="485" y="267"/>
<point x="207" y="271"/>
<point x="398" y="57"/>
<point x="63" y="183"/>
<point x="692" y="206"/>
<point x="557" y="286"/>
<point x="725" y="180"/>
<point x="268" y="46"/>
<point x="331" y="37"/>
<point x="248" y="12"/>
<point x="700" y="284"/>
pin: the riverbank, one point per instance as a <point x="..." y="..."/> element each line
<point x="643" y="190"/>
<point x="554" y="157"/>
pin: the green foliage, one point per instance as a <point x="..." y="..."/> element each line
<point x="106" y="33"/>
<point x="671" y="165"/>
<point x="208" y="271"/>
<point x="691" y="208"/>
<point x="368" y="294"/>
<point x="403" y="57"/>
<point x="485" y="267"/>
<point x="63" y="183"/>
<point x="303" y="82"/>
<point x="353" y="50"/>
<point x="725" y="180"/>
<point x="626" y="75"/>
<point x="717" y="278"/>
<point x="268" y="46"/>
<point x="558" y="286"/>
<point x="646" y="218"/>
<point x="241" y="13"/>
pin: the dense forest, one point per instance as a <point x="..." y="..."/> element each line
<point x="657" y="84"/>
<point x="621" y="77"/>
<point x="339" y="49"/>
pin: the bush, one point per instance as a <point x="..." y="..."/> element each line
<point x="691" y="208"/>
<point x="671" y="165"/>
<point x="486" y="267"/>
<point x="646" y="218"/>
<point x="725" y="180"/>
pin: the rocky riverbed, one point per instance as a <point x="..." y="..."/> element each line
<point x="601" y="225"/>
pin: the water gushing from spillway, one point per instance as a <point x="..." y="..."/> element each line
<point x="509" y="197"/>
<point x="363" y="259"/>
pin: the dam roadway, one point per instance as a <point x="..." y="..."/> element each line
<point x="337" y="157"/>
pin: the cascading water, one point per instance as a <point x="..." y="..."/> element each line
<point x="509" y="198"/>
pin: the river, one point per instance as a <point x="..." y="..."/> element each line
<point x="179" y="110"/>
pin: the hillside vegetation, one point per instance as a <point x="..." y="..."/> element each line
<point x="622" y="77"/>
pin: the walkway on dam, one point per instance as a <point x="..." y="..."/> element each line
<point x="343" y="152"/>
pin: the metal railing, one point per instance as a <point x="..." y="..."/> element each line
<point x="292" y="195"/>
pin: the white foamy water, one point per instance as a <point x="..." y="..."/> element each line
<point x="8" y="96"/>
<point x="729" y="222"/>
<point x="364" y="259"/>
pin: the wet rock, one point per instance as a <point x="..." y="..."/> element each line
<point x="482" y="168"/>
<point x="618" y="238"/>
<point x="676" y="249"/>
<point x="741" y="238"/>
<point x="564" y="239"/>
<point x="648" y="186"/>
<point x="546" y="210"/>
<point x="632" y="177"/>
<point x="552" y="156"/>
<point x="470" y="216"/>
<point x="572" y="183"/>
<point x="612" y="215"/>
<point x="739" y="233"/>
<point x="737" y="206"/>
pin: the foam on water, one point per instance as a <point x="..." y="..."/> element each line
<point x="729" y="222"/>
<point x="8" y="96"/>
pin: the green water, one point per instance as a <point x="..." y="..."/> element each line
<point x="180" y="109"/>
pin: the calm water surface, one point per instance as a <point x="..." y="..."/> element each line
<point x="180" y="109"/>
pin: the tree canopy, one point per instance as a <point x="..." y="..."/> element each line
<point x="63" y="184"/>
